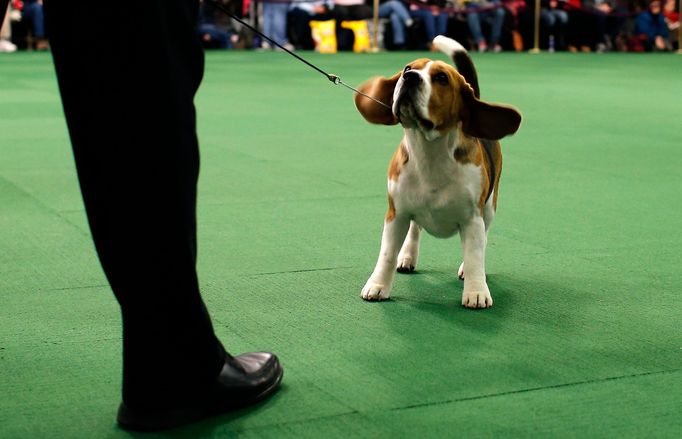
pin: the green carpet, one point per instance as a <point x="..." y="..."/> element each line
<point x="584" y="339"/>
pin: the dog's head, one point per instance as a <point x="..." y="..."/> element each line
<point x="432" y="97"/>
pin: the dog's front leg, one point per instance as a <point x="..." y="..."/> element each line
<point x="378" y="286"/>
<point x="476" y="293"/>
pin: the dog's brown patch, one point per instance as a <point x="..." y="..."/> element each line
<point x="497" y="159"/>
<point x="390" y="215"/>
<point x="446" y="101"/>
<point x="468" y="150"/>
<point x="419" y="64"/>
<point x="471" y="151"/>
<point x="400" y="158"/>
<point x="496" y="154"/>
<point x="465" y="153"/>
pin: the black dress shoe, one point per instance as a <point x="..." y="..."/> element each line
<point x="243" y="381"/>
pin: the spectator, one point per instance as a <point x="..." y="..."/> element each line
<point x="349" y="10"/>
<point x="400" y="18"/>
<point x="514" y="10"/>
<point x="480" y="11"/>
<point x="275" y="23"/>
<point x="651" y="29"/>
<point x="434" y="17"/>
<point x="554" y="20"/>
<point x="33" y="14"/>
<point x="214" y="28"/>
<point x="606" y="20"/>
<point x="597" y="11"/>
<point x="301" y="12"/>
<point x="580" y="33"/>
<point x="672" y="19"/>
<point x="5" y="35"/>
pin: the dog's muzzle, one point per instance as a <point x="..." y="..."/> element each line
<point x="410" y="86"/>
<point x="411" y="79"/>
<point x="409" y="83"/>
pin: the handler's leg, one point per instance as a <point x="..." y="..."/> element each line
<point x="127" y="79"/>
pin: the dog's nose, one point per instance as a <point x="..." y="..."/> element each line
<point x="411" y="78"/>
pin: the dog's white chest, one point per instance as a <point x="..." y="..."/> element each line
<point x="438" y="197"/>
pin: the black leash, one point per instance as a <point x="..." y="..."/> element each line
<point x="333" y="78"/>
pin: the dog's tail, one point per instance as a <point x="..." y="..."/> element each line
<point x="461" y="58"/>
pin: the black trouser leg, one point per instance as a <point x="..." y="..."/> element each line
<point x="127" y="76"/>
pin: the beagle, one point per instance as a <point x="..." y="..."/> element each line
<point x="444" y="177"/>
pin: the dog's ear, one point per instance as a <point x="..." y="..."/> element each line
<point x="487" y="121"/>
<point x="380" y="89"/>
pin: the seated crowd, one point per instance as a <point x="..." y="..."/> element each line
<point x="482" y="25"/>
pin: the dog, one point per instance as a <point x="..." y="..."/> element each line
<point x="445" y="175"/>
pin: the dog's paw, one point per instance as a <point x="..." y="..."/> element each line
<point x="374" y="291"/>
<point x="460" y="272"/>
<point x="477" y="299"/>
<point x="406" y="264"/>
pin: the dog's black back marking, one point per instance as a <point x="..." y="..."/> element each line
<point x="465" y="66"/>
<point x="488" y="146"/>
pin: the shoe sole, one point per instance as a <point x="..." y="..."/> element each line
<point x="128" y="420"/>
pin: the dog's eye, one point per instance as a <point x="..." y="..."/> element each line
<point x="440" y="78"/>
<point x="407" y="69"/>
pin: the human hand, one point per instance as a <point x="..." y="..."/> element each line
<point x="604" y="7"/>
<point x="660" y="43"/>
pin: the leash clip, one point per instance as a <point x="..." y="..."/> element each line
<point x="333" y="78"/>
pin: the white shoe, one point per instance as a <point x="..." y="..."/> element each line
<point x="7" y="46"/>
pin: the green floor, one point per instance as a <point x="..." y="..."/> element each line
<point x="584" y="340"/>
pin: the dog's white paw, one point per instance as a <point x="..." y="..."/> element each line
<point x="460" y="272"/>
<point x="406" y="264"/>
<point x="374" y="291"/>
<point x="477" y="299"/>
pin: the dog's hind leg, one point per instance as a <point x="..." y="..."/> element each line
<point x="409" y="253"/>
